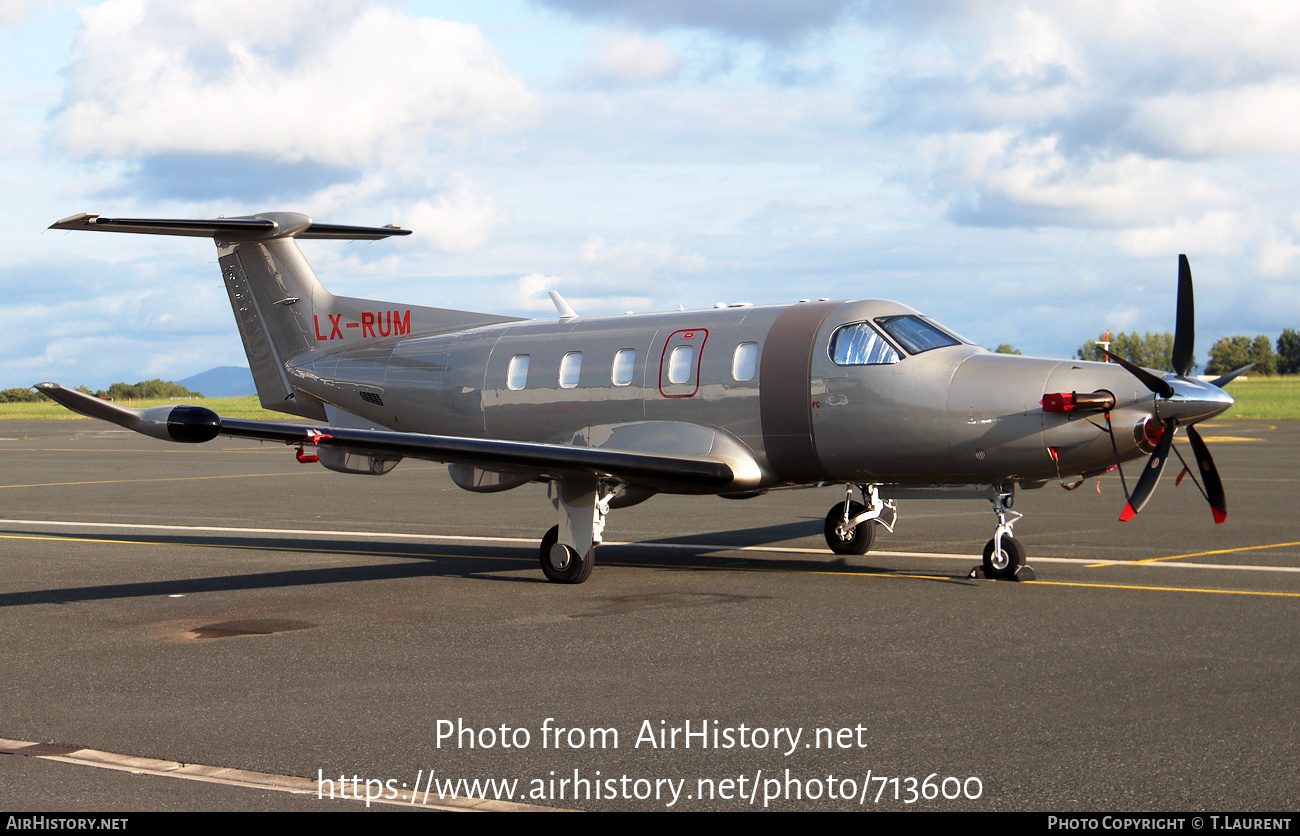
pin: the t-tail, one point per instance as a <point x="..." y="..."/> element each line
<point x="282" y="310"/>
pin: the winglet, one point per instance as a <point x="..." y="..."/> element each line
<point x="186" y="423"/>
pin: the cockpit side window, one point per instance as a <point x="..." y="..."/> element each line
<point x="859" y="344"/>
<point x="915" y="334"/>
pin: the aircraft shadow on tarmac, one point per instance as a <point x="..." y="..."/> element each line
<point x="764" y="536"/>
<point x="449" y="560"/>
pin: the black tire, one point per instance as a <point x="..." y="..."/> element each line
<point x="860" y="538"/>
<point x="571" y="569"/>
<point x="1005" y="565"/>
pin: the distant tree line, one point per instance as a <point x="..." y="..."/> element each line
<point x="1150" y="350"/>
<point x="145" y="389"/>
<point x="1153" y="351"/>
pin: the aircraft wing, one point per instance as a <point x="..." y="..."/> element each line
<point x="187" y="423"/>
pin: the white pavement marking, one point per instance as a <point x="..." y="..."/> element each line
<point x="291" y="784"/>
<point x="325" y="532"/>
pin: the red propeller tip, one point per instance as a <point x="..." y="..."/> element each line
<point x="1128" y="514"/>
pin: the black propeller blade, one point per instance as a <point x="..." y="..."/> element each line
<point x="1151" y="473"/>
<point x="1231" y="376"/>
<point x="1185" y="323"/>
<point x="1210" y="473"/>
<point x="1155" y="384"/>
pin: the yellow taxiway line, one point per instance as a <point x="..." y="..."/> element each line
<point x="1189" y="554"/>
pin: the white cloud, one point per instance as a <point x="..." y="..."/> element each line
<point x="459" y="219"/>
<point x="624" y="58"/>
<point x="1019" y="179"/>
<point x="530" y="292"/>
<point x="1030" y="53"/>
<point x="1213" y="234"/>
<point x="330" y="82"/>
<point x="14" y="11"/>
<point x="635" y="259"/>
<point x="1250" y="120"/>
<point x="1277" y="255"/>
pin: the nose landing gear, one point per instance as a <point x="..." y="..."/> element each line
<point x="1004" y="555"/>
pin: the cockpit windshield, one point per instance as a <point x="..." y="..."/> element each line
<point x="916" y="334"/>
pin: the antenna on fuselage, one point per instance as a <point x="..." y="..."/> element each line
<point x="566" y="311"/>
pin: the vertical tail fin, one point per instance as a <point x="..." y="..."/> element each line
<point x="277" y="301"/>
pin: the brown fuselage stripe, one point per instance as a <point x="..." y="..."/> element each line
<point x="784" y="398"/>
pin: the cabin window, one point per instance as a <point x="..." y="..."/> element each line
<point x="915" y="334"/>
<point x="570" y="369"/>
<point x="680" y="363"/>
<point x="861" y="345"/>
<point x="745" y="361"/>
<point x="517" y="375"/>
<point x="624" y="364"/>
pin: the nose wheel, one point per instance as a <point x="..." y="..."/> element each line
<point x="1002" y="561"/>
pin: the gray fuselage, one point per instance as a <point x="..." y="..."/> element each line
<point x="761" y="378"/>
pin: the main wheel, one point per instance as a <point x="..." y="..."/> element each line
<point x="562" y="564"/>
<point x="1008" y="559"/>
<point x="843" y="540"/>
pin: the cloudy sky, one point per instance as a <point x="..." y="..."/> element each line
<point x="1025" y="173"/>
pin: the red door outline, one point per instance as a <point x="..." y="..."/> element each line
<point x="687" y="336"/>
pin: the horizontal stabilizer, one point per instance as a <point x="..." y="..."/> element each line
<point x="252" y="228"/>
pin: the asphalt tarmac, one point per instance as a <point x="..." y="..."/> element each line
<point x="226" y="614"/>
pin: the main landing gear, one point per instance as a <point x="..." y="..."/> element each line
<point x="568" y="551"/>
<point x="561" y="563"/>
<point x="851" y="526"/>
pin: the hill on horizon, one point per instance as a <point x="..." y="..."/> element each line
<point x="222" y="382"/>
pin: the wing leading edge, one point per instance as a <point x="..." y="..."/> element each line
<point x="193" y="424"/>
